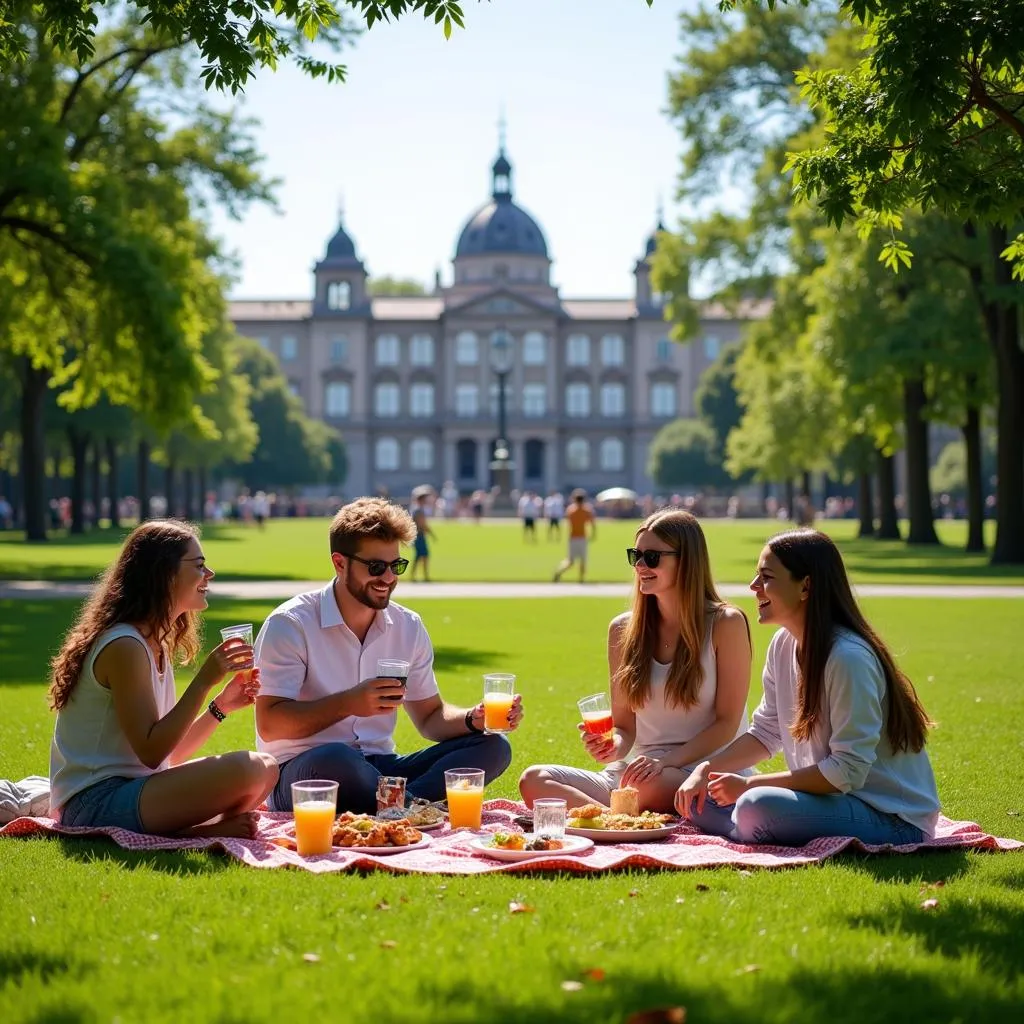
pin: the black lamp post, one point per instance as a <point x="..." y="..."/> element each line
<point x="502" y="464"/>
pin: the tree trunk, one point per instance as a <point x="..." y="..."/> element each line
<point x="33" y="450"/>
<point x="96" y="480"/>
<point x="142" y="477"/>
<point x="971" y="430"/>
<point x="112" y="491"/>
<point x="79" y="442"/>
<point x="170" y="489"/>
<point x="188" y="483"/>
<point x="865" y="505"/>
<point x="919" y="491"/>
<point x="789" y="495"/>
<point x="888" y="521"/>
<point x="201" y="495"/>
<point x="1004" y="335"/>
<point x="806" y="484"/>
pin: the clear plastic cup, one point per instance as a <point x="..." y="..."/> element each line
<point x="499" y="693"/>
<point x="549" y="817"/>
<point x="314" y="805"/>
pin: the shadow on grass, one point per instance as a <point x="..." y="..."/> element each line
<point x="452" y="659"/>
<point x="31" y="631"/>
<point x="17" y="967"/>
<point x="925" y="866"/>
<point x="169" y="862"/>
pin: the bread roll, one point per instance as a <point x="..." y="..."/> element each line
<point x="625" y="801"/>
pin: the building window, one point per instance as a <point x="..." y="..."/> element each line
<point x="534" y="458"/>
<point x="535" y="348"/>
<point x="663" y="400"/>
<point x="613" y="400"/>
<point x="467" y="400"/>
<point x="535" y="400"/>
<point x="289" y="348"/>
<point x="577" y="455"/>
<point x="578" y="350"/>
<point x="385" y="400"/>
<point x="613" y="455"/>
<point x="421" y="350"/>
<point x="465" y="456"/>
<point x="421" y="400"/>
<point x="421" y="453"/>
<point x="339" y="350"/>
<point x="613" y="350"/>
<point x="467" y="352"/>
<point x="385" y="454"/>
<point x="339" y="295"/>
<point x="712" y="346"/>
<point x="663" y="351"/>
<point x="386" y="348"/>
<point x="338" y="399"/>
<point x="577" y="400"/>
<point x="263" y="341"/>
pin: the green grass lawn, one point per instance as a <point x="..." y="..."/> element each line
<point x="495" y="550"/>
<point x="89" y="932"/>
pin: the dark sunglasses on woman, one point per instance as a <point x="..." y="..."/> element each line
<point x="377" y="566"/>
<point x="650" y="558"/>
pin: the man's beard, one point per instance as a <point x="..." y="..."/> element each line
<point x="367" y="598"/>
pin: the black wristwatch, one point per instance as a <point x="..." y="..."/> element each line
<point x="469" y="722"/>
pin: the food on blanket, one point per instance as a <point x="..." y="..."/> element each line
<point x="626" y="800"/>
<point x="543" y="843"/>
<point x="587" y="816"/>
<point x="285" y="841"/>
<point x="508" y="841"/>
<point x="360" y="830"/>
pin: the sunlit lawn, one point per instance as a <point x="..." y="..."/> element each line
<point x="496" y="550"/>
<point x="89" y="932"/>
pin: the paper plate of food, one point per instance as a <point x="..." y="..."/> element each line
<point x="515" y="846"/>
<point x="622" y="822"/>
<point x="364" y="833"/>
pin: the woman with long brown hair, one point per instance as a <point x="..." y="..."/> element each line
<point x="679" y="669"/>
<point x="836" y="705"/>
<point x="122" y="738"/>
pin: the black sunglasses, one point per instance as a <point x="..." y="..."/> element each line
<point x="377" y="566"/>
<point x="651" y="558"/>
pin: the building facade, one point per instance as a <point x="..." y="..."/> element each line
<point x="411" y="383"/>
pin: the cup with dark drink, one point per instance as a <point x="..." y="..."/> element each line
<point x="393" y="668"/>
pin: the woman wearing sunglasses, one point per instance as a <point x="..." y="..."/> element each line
<point x="124" y="743"/>
<point x="835" y="704"/>
<point x="679" y="668"/>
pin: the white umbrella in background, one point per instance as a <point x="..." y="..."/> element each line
<point x="617" y="494"/>
<point x="422" y="489"/>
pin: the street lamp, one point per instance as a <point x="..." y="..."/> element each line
<point x="502" y="464"/>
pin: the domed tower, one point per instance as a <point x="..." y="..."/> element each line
<point x="645" y="298"/>
<point x="501" y="242"/>
<point x="340" y="277"/>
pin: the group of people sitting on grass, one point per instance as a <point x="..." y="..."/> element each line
<point x="846" y="719"/>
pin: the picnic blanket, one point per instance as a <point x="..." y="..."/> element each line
<point x="448" y="852"/>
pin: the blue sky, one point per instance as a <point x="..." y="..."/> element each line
<point x="405" y="145"/>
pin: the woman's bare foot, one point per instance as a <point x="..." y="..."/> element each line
<point x="237" y="826"/>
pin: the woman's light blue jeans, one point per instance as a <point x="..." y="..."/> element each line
<point x="781" y="817"/>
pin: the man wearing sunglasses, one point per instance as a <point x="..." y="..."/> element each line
<point x="323" y="711"/>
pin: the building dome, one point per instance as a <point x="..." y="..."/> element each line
<point x="501" y="226"/>
<point x="341" y="250"/>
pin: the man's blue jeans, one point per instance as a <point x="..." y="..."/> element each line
<point x="357" y="773"/>
<point x="782" y="817"/>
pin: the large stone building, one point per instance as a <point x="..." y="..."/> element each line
<point x="411" y="382"/>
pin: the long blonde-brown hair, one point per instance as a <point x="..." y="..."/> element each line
<point x="136" y="589"/>
<point x="699" y="604"/>
<point x="811" y="555"/>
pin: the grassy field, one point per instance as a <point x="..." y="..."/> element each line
<point x="495" y="550"/>
<point x="92" y="933"/>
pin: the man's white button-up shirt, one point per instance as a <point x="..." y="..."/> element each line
<point x="305" y="651"/>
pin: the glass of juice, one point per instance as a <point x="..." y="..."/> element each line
<point x="243" y="632"/>
<point x="314" y="804"/>
<point x="597" y="714"/>
<point x="465" y="791"/>
<point x="499" y="692"/>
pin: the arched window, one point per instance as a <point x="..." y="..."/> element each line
<point x="467" y="400"/>
<point x="578" y="350"/>
<point x="535" y="400"/>
<point x="385" y="454"/>
<point x="577" y="455"/>
<point x="338" y="399"/>
<point x="577" y="400"/>
<point x="339" y="295"/>
<point x="613" y="455"/>
<point x="421" y="350"/>
<point x="613" y="350"/>
<point x="613" y="400"/>
<point x="535" y="348"/>
<point x="663" y="400"/>
<point x="467" y="349"/>
<point x="421" y="453"/>
<point x="385" y="400"/>
<point x="386" y="349"/>
<point x="421" y="399"/>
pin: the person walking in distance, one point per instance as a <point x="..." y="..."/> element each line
<point x="582" y="530"/>
<point x="421" y="561"/>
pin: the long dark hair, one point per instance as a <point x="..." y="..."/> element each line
<point x="135" y="589"/>
<point x="811" y="555"/>
<point x="699" y="604"/>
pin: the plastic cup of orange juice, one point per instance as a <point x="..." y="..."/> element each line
<point x="314" y="805"/>
<point x="465" y="791"/>
<point x="243" y="632"/>
<point x="499" y="693"/>
<point x="597" y="714"/>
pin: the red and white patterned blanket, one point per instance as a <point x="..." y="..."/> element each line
<point x="448" y="852"/>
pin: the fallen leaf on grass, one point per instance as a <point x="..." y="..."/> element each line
<point x="383" y="905"/>
<point x="520" y="908"/>
<point x="311" y="958"/>
<point x="594" y="974"/>
<point x="388" y="944"/>
<point x="572" y="986"/>
<point x="634" y="892"/>
<point x="663" y="1015"/>
<point x="930" y="904"/>
<point x="749" y="969"/>
<point x="701" y="887"/>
